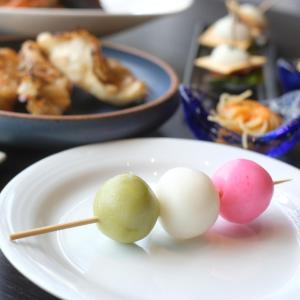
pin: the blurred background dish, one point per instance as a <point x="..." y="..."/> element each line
<point x="261" y="81"/>
<point x="201" y="92"/>
<point x="289" y="75"/>
<point x="115" y="16"/>
<point x="274" y="143"/>
<point x="91" y="121"/>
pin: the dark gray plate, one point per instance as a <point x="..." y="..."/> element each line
<point x="89" y="120"/>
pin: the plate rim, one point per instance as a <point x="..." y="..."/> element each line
<point x="86" y="12"/>
<point x="166" y="97"/>
<point x="33" y="277"/>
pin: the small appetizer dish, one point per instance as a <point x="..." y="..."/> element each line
<point x="271" y="126"/>
<point x="289" y="74"/>
<point x="251" y="15"/>
<point x="227" y="60"/>
<point x="232" y="69"/>
<point x="227" y="30"/>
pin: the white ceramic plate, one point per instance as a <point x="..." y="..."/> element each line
<point x="258" y="261"/>
<point x="118" y="15"/>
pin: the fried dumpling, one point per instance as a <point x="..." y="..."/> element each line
<point x="8" y="78"/>
<point x="45" y="89"/>
<point x="78" y="55"/>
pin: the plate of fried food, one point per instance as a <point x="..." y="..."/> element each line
<point x="67" y="88"/>
<point x="30" y="17"/>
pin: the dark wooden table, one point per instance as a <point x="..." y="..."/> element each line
<point x="168" y="38"/>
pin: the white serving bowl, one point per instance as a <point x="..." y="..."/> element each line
<point x="117" y="15"/>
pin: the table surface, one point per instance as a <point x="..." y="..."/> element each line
<point x="168" y="38"/>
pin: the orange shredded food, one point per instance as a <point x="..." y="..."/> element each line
<point x="244" y="116"/>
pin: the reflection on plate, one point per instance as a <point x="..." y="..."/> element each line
<point x="92" y="121"/>
<point x="229" y="262"/>
<point x="118" y="15"/>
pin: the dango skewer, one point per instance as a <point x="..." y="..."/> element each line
<point x="188" y="202"/>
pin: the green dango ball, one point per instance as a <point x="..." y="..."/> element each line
<point x="126" y="207"/>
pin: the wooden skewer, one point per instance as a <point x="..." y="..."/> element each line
<point x="281" y="181"/>
<point x="51" y="228"/>
<point x="266" y="5"/>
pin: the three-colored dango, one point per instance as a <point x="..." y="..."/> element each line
<point x="187" y="202"/>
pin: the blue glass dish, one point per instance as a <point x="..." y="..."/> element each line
<point x="288" y="75"/>
<point x="274" y="143"/>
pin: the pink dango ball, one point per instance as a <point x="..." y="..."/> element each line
<point x="245" y="190"/>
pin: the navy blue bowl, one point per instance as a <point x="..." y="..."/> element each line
<point x="90" y="120"/>
<point x="274" y="143"/>
<point x="288" y="75"/>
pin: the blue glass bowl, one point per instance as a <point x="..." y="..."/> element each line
<point x="288" y="75"/>
<point x="274" y="143"/>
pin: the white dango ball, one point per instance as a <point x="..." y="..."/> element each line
<point x="228" y="55"/>
<point x="226" y="27"/>
<point x="189" y="202"/>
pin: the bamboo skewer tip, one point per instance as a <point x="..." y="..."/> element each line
<point x="51" y="228"/>
<point x="282" y="181"/>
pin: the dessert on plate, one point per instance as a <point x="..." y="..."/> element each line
<point x="228" y="30"/>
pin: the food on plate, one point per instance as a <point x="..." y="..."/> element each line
<point x="251" y="15"/>
<point x="77" y="55"/>
<point x="43" y="87"/>
<point x="189" y="202"/>
<point x="9" y="78"/>
<point x="126" y="207"/>
<point x="235" y="83"/>
<point x="227" y="60"/>
<point x="29" y="3"/>
<point x="245" y="190"/>
<point x="245" y="116"/>
<point x="229" y="31"/>
<point x="49" y="67"/>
